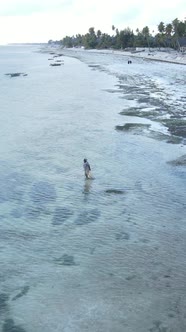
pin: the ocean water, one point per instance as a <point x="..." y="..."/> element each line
<point x="98" y="255"/>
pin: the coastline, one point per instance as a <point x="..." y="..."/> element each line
<point x="173" y="122"/>
<point x="169" y="56"/>
<point x="163" y="56"/>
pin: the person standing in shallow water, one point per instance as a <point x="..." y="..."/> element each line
<point x="87" y="169"/>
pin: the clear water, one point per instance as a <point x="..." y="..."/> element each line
<point x="89" y="255"/>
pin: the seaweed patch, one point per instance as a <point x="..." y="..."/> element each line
<point x="43" y="193"/>
<point x="65" y="260"/>
<point x="9" y="326"/>
<point x="24" y="291"/>
<point x="181" y="161"/>
<point x="3" y="302"/>
<point x="61" y="215"/>
<point x="87" y="217"/>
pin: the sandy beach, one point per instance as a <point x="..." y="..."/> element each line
<point x="163" y="55"/>
<point x="155" y="55"/>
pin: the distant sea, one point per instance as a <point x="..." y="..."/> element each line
<point x="106" y="254"/>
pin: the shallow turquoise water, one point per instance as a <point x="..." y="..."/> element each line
<point x="77" y="255"/>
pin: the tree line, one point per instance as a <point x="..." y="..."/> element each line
<point x="168" y="35"/>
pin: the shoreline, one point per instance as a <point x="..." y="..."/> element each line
<point x="161" y="56"/>
<point x="175" y="126"/>
<point x="155" y="55"/>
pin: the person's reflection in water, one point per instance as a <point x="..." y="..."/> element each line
<point x="87" y="187"/>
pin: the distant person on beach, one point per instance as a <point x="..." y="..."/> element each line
<point x="87" y="169"/>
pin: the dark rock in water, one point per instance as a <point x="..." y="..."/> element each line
<point x="178" y="131"/>
<point x="112" y="90"/>
<point x="151" y="101"/>
<point x="16" y="74"/>
<point x="23" y="292"/>
<point x="65" y="260"/>
<point x="9" y="326"/>
<point x="55" y="64"/>
<point x="43" y="193"/>
<point x="133" y="126"/>
<point x="174" y="140"/>
<point x="131" y="277"/>
<point x="114" y="191"/>
<point x="179" y="162"/>
<point x="3" y="301"/>
<point x="61" y="215"/>
<point x="140" y="112"/>
<point x="122" y="236"/>
<point x="176" y="126"/>
<point x="166" y="276"/>
<point x="87" y="217"/>
<point x="94" y="66"/>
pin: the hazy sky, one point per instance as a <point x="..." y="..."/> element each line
<point x="41" y="20"/>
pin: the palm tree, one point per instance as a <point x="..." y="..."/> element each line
<point x="175" y="24"/>
<point x="168" y="29"/>
<point x="146" y="34"/>
<point x="161" y="35"/>
<point x="168" y="33"/>
<point x="99" y="33"/>
<point x="161" y="27"/>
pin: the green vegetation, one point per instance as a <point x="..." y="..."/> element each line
<point x="169" y="35"/>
